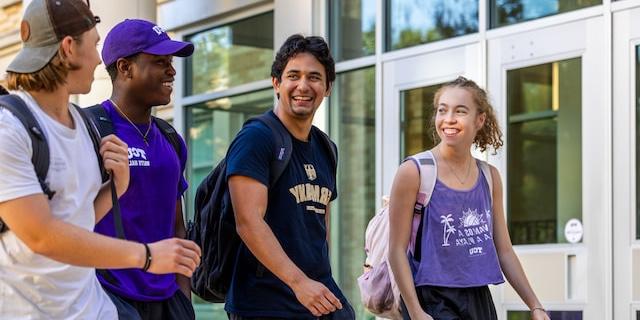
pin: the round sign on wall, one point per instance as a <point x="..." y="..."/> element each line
<point x="573" y="231"/>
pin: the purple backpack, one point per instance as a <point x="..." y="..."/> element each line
<point x="378" y="290"/>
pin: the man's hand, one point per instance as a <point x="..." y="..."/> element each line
<point x="421" y="315"/>
<point x="115" y="156"/>
<point x="316" y="297"/>
<point x="173" y="256"/>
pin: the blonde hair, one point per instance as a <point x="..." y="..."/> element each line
<point x="490" y="134"/>
<point x="49" y="78"/>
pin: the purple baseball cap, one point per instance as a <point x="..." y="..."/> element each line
<point x="133" y="36"/>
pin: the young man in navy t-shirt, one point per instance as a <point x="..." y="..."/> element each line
<point x="138" y="55"/>
<point x="283" y="268"/>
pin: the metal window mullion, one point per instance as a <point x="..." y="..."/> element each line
<point x="532" y="116"/>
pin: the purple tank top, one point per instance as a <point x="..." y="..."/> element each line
<point x="457" y="247"/>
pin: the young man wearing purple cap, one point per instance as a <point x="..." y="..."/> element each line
<point x="138" y="55"/>
<point x="48" y="254"/>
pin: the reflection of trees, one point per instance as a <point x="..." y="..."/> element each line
<point x="354" y="103"/>
<point x="209" y="61"/>
<point x="230" y="55"/>
<point x="369" y="39"/>
<point x="505" y="12"/>
<point x="449" y="19"/>
<point x="509" y="11"/>
<point x="355" y="34"/>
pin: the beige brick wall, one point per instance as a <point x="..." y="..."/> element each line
<point x="10" y="19"/>
<point x="10" y="16"/>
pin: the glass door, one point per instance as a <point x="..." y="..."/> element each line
<point x="626" y="161"/>
<point x="409" y="85"/>
<point x="547" y="86"/>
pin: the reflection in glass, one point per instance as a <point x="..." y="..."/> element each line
<point x="544" y="155"/>
<point x="637" y="142"/>
<point x="352" y="127"/>
<point x="211" y="126"/>
<point x="416" y="120"/>
<point x="413" y="22"/>
<point x="352" y="28"/>
<point x="230" y="55"/>
<point x="560" y="315"/>
<point x="506" y="12"/>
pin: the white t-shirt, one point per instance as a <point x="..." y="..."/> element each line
<point x="33" y="286"/>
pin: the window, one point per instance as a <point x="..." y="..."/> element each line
<point x="225" y="57"/>
<point x="230" y="55"/>
<point x="544" y="151"/>
<point x="353" y="28"/>
<point x="414" y="22"/>
<point x="416" y="120"/>
<point x="213" y="125"/>
<point x="352" y="127"/>
<point x="637" y="142"/>
<point x="559" y="315"/>
<point x="506" y="12"/>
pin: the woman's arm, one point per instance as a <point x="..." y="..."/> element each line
<point x="403" y="198"/>
<point x="509" y="261"/>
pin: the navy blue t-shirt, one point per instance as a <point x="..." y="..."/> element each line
<point x="295" y="213"/>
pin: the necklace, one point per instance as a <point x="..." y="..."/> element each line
<point x="144" y="136"/>
<point x="466" y="176"/>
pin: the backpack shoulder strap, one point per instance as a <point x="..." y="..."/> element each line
<point x="329" y="146"/>
<point x="282" y="142"/>
<point x="101" y="119"/>
<point x="40" y="155"/>
<point x="99" y="125"/>
<point x="428" y="170"/>
<point x="95" y="136"/>
<point x="170" y="133"/>
<point x="486" y="171"/>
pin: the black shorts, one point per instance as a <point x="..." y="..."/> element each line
<point x="443" y="303"/>
<point x="346" y="313"/>
<point x="177" y="307"/>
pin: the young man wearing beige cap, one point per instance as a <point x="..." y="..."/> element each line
<point x="48" y="253"/>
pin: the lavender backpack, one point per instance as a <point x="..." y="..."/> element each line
<point x="378" y="290"/>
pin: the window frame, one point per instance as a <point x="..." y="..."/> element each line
<point x="506" y="121"/>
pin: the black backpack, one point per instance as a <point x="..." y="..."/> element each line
<point x="40" y="155"/>
<point x="214" y="228"/>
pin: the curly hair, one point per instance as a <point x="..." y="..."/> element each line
<point x="296" y="44"/>
<point x="490" y="134"/>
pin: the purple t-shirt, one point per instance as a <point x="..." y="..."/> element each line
<point x="457" y="239"/>
<point x="148" y="207"/>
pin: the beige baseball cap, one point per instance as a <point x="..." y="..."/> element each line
<point x="44" y="24"/>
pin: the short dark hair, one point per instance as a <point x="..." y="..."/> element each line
<point x="3" y="91"/>
<point x="296" y="44"/>
<point x="112" y="69"/>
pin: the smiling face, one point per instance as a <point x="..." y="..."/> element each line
<point x="302" y="88"/>
<point x="152" y="79"/>
<point x="457" y="118"/>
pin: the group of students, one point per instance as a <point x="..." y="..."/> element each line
<point x="55" y="243"/>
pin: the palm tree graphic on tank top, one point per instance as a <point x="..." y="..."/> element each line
<point x="448" y="229"/>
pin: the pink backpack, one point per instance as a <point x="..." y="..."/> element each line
<point x="378" y="290"/>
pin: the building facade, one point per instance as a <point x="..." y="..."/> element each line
<point x="563" y="75"/>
